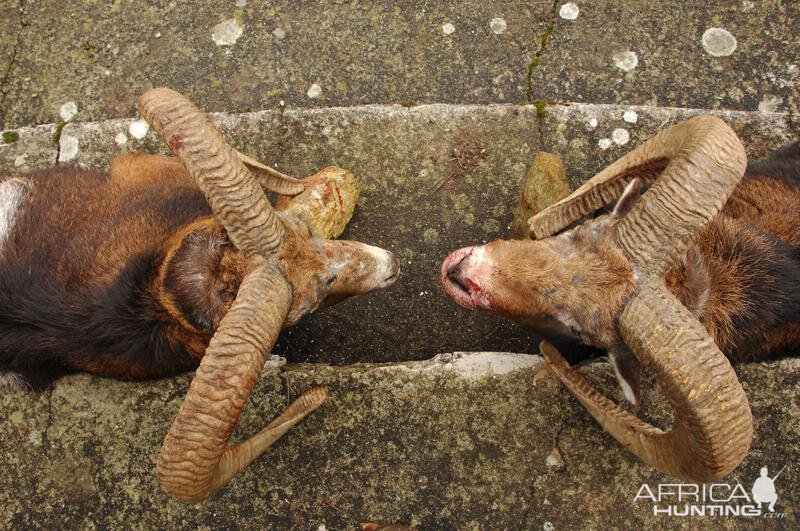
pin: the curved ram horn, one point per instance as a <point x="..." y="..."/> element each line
<point x="647" y="162"/>
<point x="236" y="199"/>
<point x="706" y="164"/>
<point x="195" y="459"/>
<point x="713" y="425"/>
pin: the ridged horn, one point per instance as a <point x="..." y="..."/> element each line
<point x="706" y="163"/>
<point x="195" y="459"/>
<point x="237" y="200"/>
<point x="713" y="425"/>
<point x="646" y="162"/>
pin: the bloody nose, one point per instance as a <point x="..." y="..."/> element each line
<point x="454" y="271"/>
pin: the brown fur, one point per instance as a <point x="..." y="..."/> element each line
<point x="128" y="275"/>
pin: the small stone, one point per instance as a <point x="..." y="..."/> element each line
<point x="121" y="139"/>
<point x="158" y="35"/>
<point x="68" y="148"/>
<point x="569" y="11"/>
<point x="241" y="3"/>
<point x="604" y="143"/>
<point x="626" y="61"/>
<point x="314" y="91"/>
<point x="545" y="183"/>
<point x="138" y="129"/>
<point x="227" y="32"/>
<point x="620" y="136"/>
<point x="718" y="42"/>
<point x="554" y="459"/>
<point x="548" y="526"/>
<point x="630" y="116"/>
<point x="498" y="25"/>
<point x="448" y="28"/>
<point x="592" y="123"/>
<point x="278" y="33"/>
<point x="20" y="160"/>
<point x="68" y="111"/>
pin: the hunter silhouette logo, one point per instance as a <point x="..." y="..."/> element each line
<point x="715" y="499"/>
<point x="764" y="489"/>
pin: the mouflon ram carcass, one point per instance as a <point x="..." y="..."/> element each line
<point x="696" y="264"/>
<point x="165" y="265"/>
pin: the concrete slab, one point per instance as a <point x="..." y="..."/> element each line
<point x="466" y="440"/>
<point x="253" y="55"/>
<point x="435" y="178"/>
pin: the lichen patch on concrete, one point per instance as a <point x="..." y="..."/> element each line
<point x="68" y="148"/>
<point x="718" y="42"/>
<point x="569" y="11"/>
<point x="227" y="32"/>
<point x="625" y="60"/>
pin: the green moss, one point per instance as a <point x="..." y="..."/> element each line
<point x="537" y="56"/>
<point x="408" y="103"/>
<point x="10" y="136"/>
<point x="540" y="107"/>
<point x="58" y="131"/>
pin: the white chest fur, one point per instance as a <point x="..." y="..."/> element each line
<point x="13" y="193"/>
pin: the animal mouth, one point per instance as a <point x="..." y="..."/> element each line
<point x="462" y="289"/>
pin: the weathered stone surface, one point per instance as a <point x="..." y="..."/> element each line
<point x="434" y="178"/>
<point x="461" y="441"/>
<point x="103" y="55"/>
<point x="444" y="444"/>
<point x="545" y="183"/>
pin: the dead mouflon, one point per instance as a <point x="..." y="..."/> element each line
<point x="705" y="265"/>
<point x="166" y="264"/>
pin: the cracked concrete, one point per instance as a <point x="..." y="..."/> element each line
<point x="103" y="55"/>
<point x="459" y="441"/>
<point x="12" y="22"/>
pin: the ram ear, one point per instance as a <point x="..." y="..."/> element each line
<point x="629" y="197"/>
